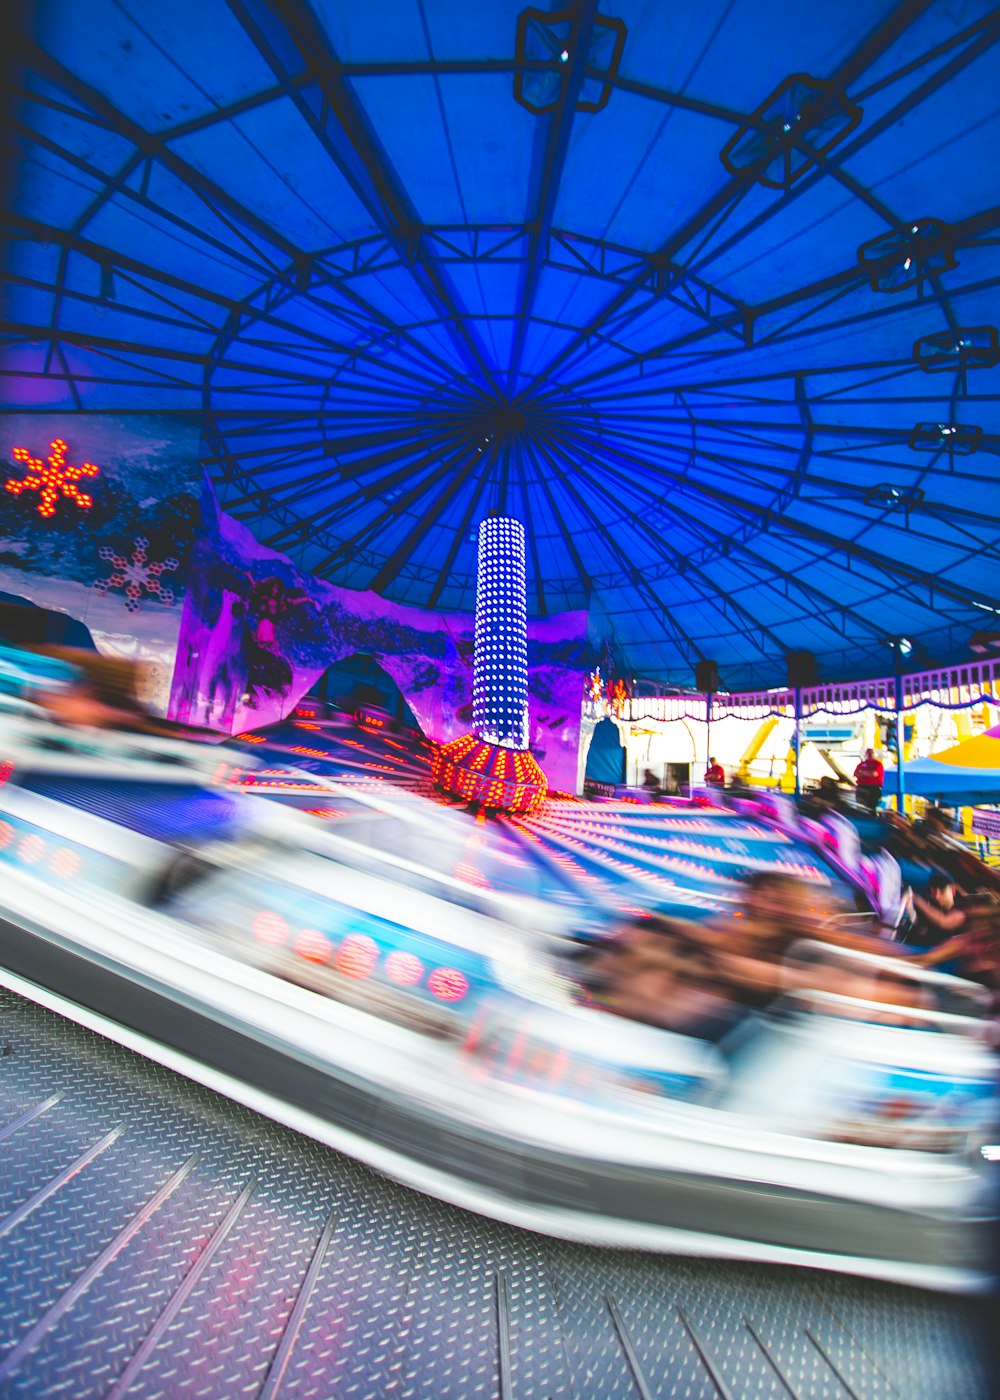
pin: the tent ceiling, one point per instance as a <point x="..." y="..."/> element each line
<point x="683" y="287"/>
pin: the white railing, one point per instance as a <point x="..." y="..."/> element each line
<point x="952" y="688"/>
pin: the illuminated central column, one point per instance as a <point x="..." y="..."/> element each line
<point x="492" y="767"/>
<point x="500" y="664"/>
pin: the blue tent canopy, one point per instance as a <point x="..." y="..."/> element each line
<point x="705" y="294"/>
<point x="961" y="786"/>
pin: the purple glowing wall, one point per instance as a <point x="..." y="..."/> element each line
<point x="257" y="633"/>
<point x="159" y="575"/>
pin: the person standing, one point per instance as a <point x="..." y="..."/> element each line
<point x="869" y="777"/>
<point x="715" y="774"/>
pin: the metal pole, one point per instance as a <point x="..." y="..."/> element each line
<point x="798" y="739"/>
<point x="708" y="728"/>
<point x="899" y="729"/>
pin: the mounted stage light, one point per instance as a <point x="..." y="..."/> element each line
<point x="972" y="347"/>
<point x="899" y="260"/>
<point x="904" y="498"/>
<point x="492" y="766"/>
<point x="985" y="643"/>
<point x="801" y="670"/>
<point x="706" y="677"/>
<point x="957" y="439"/>
<point x="545" y="40"/>
<point x="802" y="120"/>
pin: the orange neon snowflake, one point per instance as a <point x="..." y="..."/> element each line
<point x="52" y="478"/>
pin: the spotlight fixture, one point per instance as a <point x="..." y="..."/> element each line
<point x="544" y="41"/>
<point x="904" y="498"/>
<point x="957" y="439"/>
<point x="801" y="121"/>
<point x="897" y="261"/>
<point x="962" y="349"/>
<point x="985" y="643"/>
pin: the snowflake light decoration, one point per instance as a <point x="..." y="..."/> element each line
<point x="52" y="478"/>
<point x="135" y="574"/>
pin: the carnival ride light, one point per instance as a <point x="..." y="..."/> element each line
<point x="492" y="766"/>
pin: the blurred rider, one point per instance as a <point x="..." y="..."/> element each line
<point x="822" y="800"/>
<point x="657" y="971"/>
<point x="936" y="915"/>
<point x="750" y="946"/>
<point x="101" y="694"/>
<point x="652" y="784"/>
<point x="974" y="951"/>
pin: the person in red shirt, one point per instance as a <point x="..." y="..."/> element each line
<point x="869" y="777"/>
<point x="715" y="774"/>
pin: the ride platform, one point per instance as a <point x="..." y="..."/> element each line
<point x="158" y="1240"/>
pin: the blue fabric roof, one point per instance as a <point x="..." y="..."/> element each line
<point x="682" y="287"/>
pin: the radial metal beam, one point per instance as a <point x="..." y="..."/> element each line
<point x="104" y="256"/>
<point x="678" y="634"/>
<point x="433" y="450"/>
<point x="475" y="496"/>
<point x="988" y="33"/>
<point x="583" y="571"/>
<point x="39" y="60"/>
<point x="684" y="563"/>
<point x="134" y="270"/>
<point x="255" y="266"/>
<point x="843" y="281"/>
<point x="551" y="147"/>
<point x="893" y="569"/>
<point x="430" y="516"/>
<point x="218" y="201"/>
<point x="55" y="334"/>
<point x="881" y="38"/>
<point x="641" y="526"/>
<point x="462" y="453"/>
<point x="695" y="484"/>
<point x="281" y="29"/>
<point x="531" y="536"/>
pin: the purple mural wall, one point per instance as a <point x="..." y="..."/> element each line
<point x="98" y="517"/>
<point x="257" y="633"/>
<point x="108" y="519"/>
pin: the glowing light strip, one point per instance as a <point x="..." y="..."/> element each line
<point x="500" y="663"/>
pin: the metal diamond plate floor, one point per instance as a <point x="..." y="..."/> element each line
<point x="158" y="1241"/>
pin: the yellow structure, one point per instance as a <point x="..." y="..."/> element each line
<point x="764" y="732"/>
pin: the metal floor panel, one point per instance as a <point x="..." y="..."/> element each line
<point x="159" y="1241"/>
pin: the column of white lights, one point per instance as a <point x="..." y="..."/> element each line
<point x="500" y="662"/>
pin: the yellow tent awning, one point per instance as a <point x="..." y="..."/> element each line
<point x="983" y="751"/>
